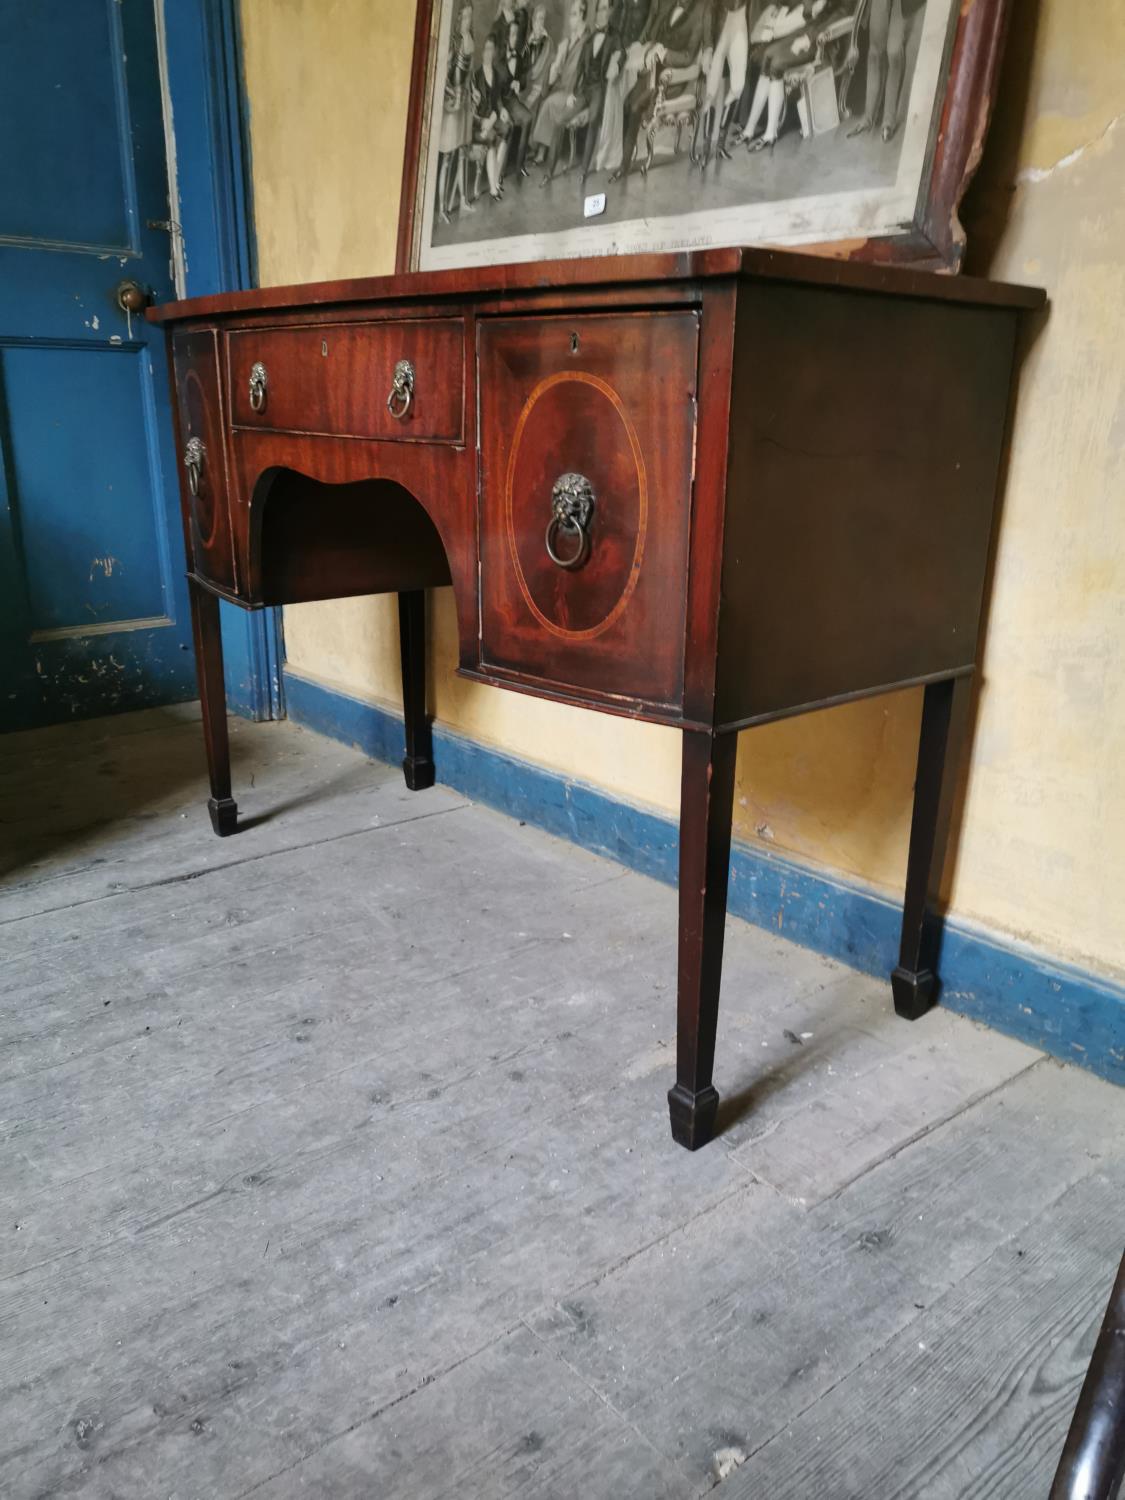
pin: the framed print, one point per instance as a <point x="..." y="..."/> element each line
<point x="541" y="129"/>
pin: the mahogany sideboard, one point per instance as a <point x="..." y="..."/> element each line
<point x="707" y="490"/>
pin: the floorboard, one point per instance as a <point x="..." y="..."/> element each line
<point x="336" y="1162"/>
<point x="968" y="1403"/>
<point x="765" y="1329"/>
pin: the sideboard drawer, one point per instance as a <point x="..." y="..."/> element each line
<point x="587" y="433"/>
<point x="202" y="457"/>
<point x="402" y="380"/>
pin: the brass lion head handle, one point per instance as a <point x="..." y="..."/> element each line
<point x="257" y="384"/>
<point x="572" y="510"/>
<point x="402" y="390"/>
<point x="195" y="455"/>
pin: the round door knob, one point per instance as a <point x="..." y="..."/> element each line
<point x="132" y="297"/>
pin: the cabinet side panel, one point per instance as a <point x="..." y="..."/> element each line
<point x="204" y="487"/>
<point x="866" y="436"/>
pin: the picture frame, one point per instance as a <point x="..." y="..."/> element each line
<point x="946" y="94"/>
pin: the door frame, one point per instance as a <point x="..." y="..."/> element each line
<point x="213" y="246"/>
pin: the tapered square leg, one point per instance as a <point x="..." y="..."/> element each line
<point x="914" y="981"/>
<point x="914" y="991"/>
<point x="224" y="815"/>
<point x="418" y="762"/>
<point x="706" y="805"/>
<point x="213" y="704"/>
<point x="693" y="1115"/>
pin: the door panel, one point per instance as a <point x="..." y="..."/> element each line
<point x="587" y="431"/>
<point x="64" y="102"/>
<point x="88" y="529"/>
<point x="93" y="613"/>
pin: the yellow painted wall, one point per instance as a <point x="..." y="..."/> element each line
<point x="1041" y="853"/>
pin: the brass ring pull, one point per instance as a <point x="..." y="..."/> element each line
<point x="402" y="390"/>
<point x="194" y="455"/>
<point x="258" y="382"/>
<point x="572" y="508"/>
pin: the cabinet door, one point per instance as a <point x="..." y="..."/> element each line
<point x="203" y="472"/>
<point x="587" y="439"/>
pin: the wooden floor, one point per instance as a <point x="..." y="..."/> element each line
<point x="336" y="1163"/>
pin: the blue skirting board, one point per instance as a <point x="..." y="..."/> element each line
<point x="1072" y="1014"/>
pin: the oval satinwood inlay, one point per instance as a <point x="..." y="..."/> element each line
<point x="574" y="421"/>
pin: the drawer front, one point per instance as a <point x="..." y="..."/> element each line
<point x="587" y="432"/>
<point x="202" y="456"/>
<point x="340" y="379"/>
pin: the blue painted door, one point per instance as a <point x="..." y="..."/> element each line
<point x="93" y="605"/>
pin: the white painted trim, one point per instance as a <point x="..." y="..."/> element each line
<point x="106" y="627"/>
<point x="178" y="263"/>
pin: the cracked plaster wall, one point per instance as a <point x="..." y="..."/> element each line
<point x="1041" y="851"/>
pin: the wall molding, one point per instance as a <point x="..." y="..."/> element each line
<point x="1072" y="1014"/>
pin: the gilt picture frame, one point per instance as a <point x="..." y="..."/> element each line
<point x="848" y="128"/>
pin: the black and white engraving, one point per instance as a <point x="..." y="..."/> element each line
<point x="574" y="127"/>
